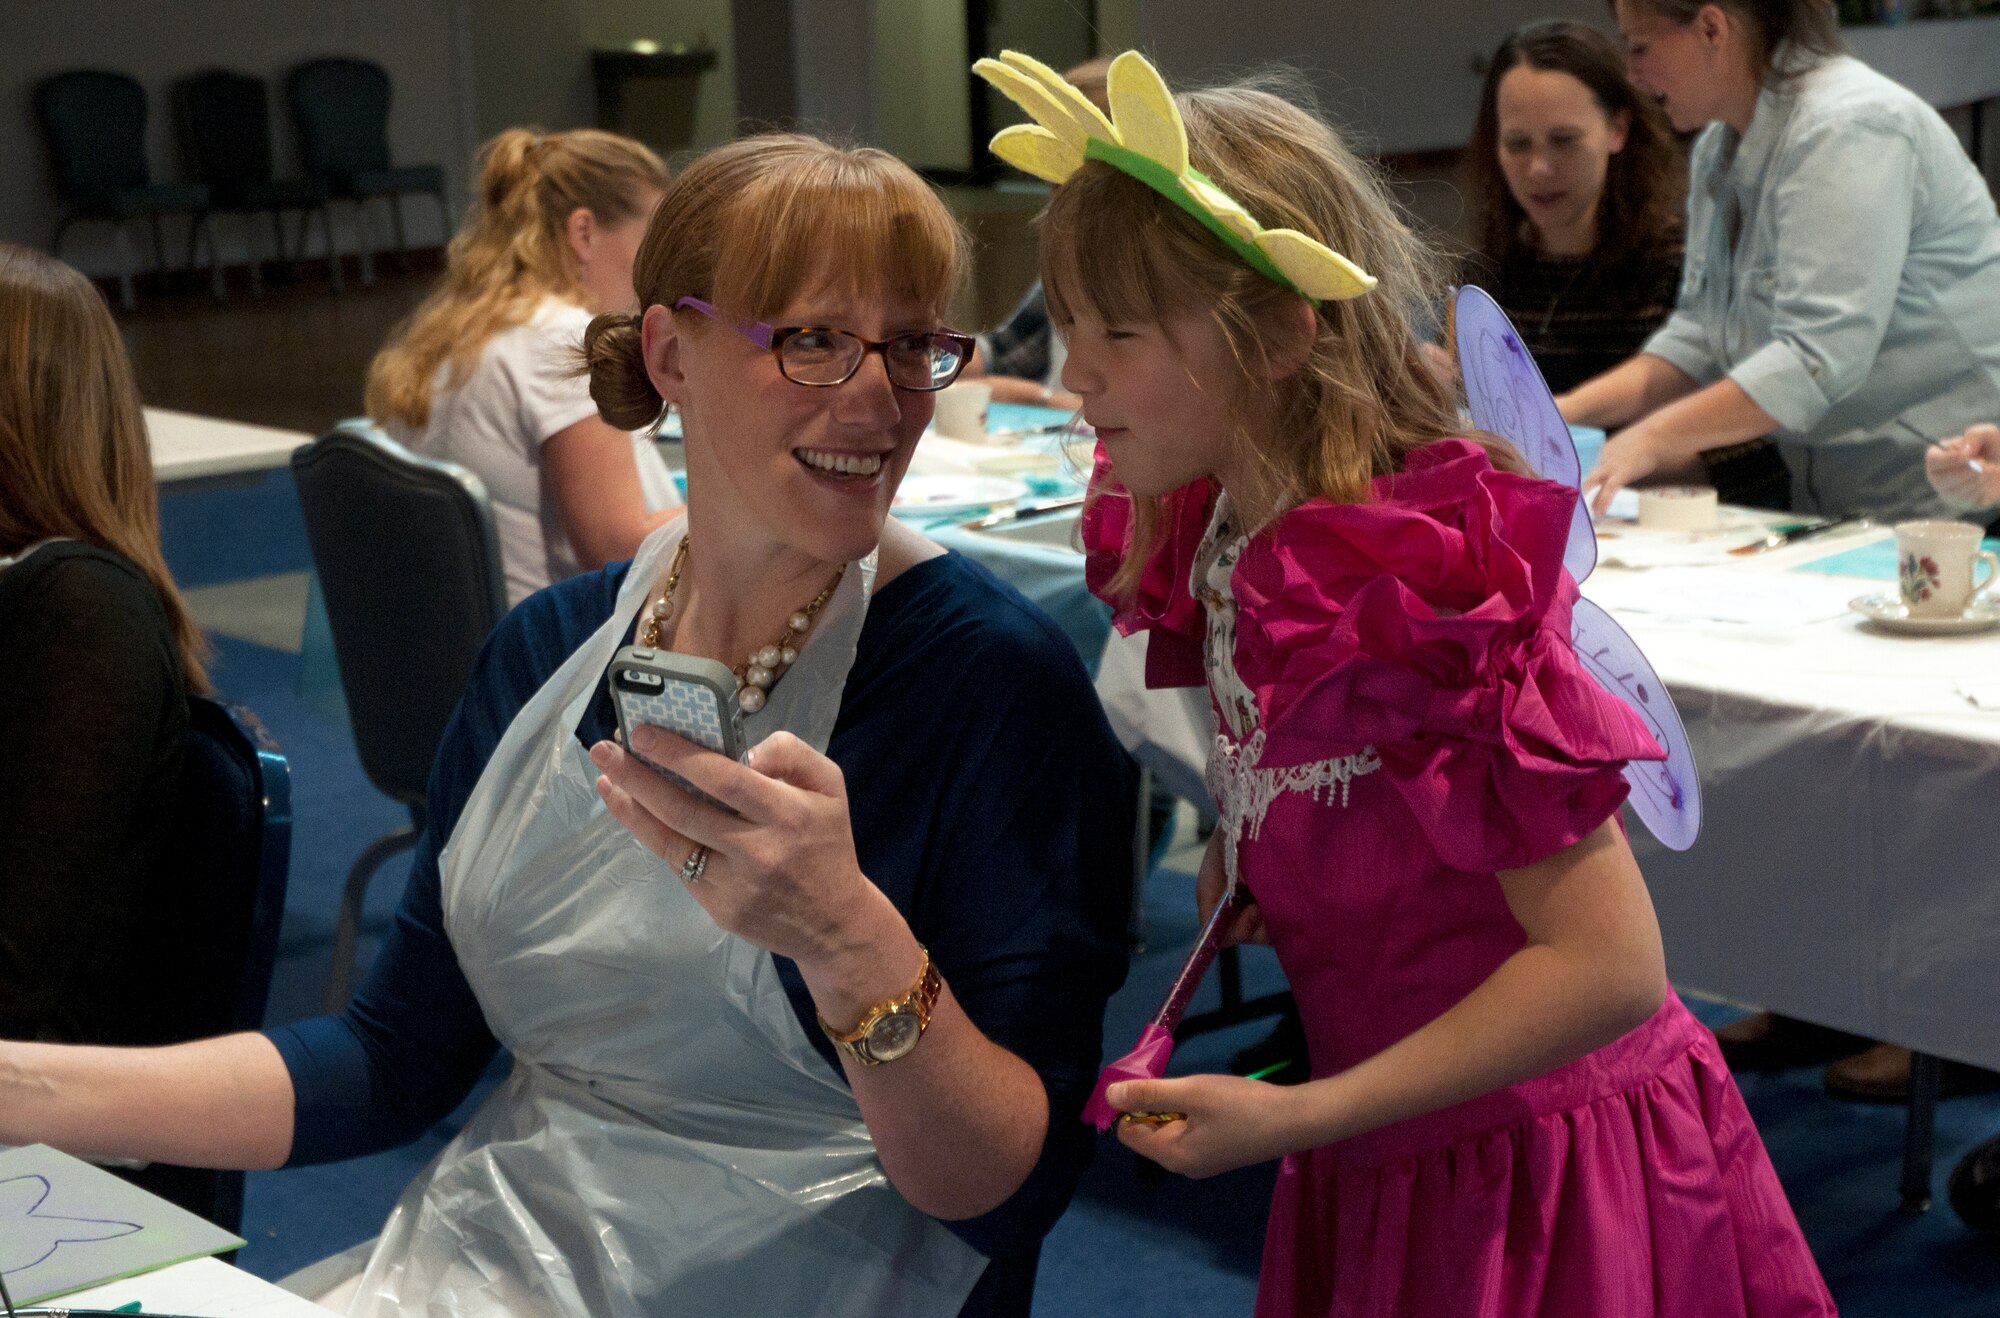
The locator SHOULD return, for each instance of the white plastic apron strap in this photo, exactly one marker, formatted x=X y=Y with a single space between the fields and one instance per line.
x=669 y=1141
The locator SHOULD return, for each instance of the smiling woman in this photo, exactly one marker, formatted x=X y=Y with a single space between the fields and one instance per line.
x=819 y=1047
x=1582 y=181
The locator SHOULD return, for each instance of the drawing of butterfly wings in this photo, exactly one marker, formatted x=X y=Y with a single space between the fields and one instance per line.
x=28 y=1237
x=1508 y=397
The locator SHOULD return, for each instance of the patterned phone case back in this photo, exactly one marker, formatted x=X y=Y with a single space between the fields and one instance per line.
x=688 y=708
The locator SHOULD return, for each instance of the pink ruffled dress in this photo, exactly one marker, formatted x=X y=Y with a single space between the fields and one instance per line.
x=1401 y=716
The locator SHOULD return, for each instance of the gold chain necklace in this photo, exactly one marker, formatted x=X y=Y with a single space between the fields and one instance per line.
x=756 y=675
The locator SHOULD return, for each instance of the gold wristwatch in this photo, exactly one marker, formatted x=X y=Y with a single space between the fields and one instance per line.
x=889 y=1030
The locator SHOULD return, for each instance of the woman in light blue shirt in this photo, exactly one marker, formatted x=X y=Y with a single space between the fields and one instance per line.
x=1842 y=285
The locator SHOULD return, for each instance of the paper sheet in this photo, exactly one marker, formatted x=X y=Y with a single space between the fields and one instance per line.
x=65 y=1225
x=1724 y=595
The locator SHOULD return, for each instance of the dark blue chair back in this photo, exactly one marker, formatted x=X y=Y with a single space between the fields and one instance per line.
x=409 y=563
x=217 y=911
x=95 y=123
x=224 y=120
x=341 y=107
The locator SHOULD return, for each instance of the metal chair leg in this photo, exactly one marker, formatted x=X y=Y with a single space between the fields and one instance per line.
x=206 y=225
x=1142 y=855
x=125 y=297
x=396 y=228
x=347 y=932
x=366 y=240
x=1919 y=1132
x=332 y=247
x=159 y=246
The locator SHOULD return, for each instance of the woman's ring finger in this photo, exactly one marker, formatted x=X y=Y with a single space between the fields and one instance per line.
x=696 y=862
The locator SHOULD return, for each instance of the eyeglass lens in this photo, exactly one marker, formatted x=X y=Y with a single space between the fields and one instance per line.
x=914 y=361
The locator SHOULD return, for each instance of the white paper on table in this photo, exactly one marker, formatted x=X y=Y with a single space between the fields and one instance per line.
x=1727 y=595
x=1983 y=694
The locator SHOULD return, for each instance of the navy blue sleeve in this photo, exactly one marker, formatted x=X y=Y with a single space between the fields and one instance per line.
x=412 y=1043
x=1037 y=847
x=993 y=805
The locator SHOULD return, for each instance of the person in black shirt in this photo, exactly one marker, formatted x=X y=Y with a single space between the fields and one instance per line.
x=1581 y=240
x=97 y=657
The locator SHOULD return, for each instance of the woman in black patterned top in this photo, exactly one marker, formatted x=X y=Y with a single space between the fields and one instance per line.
x=1582 y=180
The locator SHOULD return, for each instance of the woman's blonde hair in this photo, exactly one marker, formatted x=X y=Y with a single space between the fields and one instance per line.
x=753 y=225
x=1363 y=398
x=512 y=251
x=74 y=461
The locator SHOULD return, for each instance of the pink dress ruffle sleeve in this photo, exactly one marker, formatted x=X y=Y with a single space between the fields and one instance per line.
x=1402 y=716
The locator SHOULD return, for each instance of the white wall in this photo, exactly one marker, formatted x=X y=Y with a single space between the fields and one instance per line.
x=921 y=89
x=531 y=58
x=416 y=40
x=1406 y=77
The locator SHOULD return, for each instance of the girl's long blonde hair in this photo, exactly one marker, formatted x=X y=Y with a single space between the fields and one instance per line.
x=512 y=251
x=1363 y=398
x=74 y=461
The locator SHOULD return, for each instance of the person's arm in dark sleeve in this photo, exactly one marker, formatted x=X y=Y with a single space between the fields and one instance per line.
x=1027 y=913
x=414 y=1040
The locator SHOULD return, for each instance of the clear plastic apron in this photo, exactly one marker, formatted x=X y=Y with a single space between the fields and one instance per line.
x=668 y=1141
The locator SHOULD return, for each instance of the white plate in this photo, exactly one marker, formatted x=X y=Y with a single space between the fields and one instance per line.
x=924 y=494
x=1888 y=612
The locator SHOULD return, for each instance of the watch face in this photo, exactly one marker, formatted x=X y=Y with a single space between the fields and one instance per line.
x=893 y=1035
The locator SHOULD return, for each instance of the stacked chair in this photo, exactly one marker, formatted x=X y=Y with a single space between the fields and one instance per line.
x=224 y=126
x=95 y=126
x=341 y=107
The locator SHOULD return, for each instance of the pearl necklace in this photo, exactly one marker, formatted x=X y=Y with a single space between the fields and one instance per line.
x=760 y=672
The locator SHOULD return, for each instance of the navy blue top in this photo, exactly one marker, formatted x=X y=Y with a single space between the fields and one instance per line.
x=989 y=800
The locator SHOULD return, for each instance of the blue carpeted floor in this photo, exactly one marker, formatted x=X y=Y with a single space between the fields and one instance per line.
x=1134 y=1241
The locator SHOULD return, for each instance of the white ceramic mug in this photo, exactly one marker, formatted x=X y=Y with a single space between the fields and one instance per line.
x=1935 y=566
x=961 y=410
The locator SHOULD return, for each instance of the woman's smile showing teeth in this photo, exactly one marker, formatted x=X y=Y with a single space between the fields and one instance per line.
x=831 y=462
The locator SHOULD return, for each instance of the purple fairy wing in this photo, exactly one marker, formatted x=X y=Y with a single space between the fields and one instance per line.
x=1666 y=794
x=1508 y=397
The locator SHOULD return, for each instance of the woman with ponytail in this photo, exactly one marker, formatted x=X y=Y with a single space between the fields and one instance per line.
x=482 y=372
x=97 y=657
x=1841 y=291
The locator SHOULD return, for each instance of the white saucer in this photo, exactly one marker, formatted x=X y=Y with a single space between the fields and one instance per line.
x=1888 y=612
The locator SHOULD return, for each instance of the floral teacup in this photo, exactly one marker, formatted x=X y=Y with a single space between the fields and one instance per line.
x=1934 y=567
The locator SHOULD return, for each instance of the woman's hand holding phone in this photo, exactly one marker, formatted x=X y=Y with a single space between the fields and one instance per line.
x=782 y=871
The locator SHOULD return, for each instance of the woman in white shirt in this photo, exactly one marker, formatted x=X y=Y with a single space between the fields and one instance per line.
x=1842 y=284
x=485 y=372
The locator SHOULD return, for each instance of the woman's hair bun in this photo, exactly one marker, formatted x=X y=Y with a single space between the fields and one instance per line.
x=619 y=385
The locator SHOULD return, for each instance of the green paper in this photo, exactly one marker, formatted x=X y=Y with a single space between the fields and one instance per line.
x=1168 y=184
x=1875 y=561
x=66 y=1225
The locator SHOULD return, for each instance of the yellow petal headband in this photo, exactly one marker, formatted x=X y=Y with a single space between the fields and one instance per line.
x=1145 y=138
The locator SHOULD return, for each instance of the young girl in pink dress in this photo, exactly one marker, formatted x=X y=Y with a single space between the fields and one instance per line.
x=1511 y=1113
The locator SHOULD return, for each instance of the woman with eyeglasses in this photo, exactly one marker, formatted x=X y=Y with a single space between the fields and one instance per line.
x=820 y=1046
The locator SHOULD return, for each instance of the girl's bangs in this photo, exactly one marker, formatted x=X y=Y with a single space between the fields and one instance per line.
x=1109 y=250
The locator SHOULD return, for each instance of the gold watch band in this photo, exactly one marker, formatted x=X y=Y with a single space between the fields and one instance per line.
x=889 y=1030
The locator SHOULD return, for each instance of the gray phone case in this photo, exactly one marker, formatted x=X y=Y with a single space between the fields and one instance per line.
x=685 y=694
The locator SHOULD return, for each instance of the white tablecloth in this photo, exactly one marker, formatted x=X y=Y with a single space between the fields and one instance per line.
x=186 y=447
x=1846 y=872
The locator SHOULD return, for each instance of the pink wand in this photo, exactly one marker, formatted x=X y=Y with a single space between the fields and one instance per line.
x=1148 y=1058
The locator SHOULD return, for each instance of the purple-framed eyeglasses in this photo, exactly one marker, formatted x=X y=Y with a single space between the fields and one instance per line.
x=821 y=357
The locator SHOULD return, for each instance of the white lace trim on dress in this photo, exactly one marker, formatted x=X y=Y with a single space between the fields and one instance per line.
x=1245 y=791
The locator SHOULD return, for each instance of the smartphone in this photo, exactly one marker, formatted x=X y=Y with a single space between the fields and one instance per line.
x=685 y=694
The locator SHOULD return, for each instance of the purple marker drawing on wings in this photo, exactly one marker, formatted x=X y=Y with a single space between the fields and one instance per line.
x=1508 y=397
